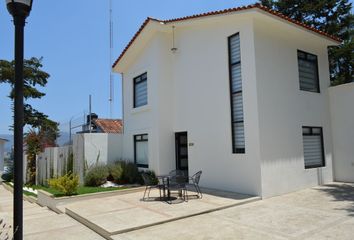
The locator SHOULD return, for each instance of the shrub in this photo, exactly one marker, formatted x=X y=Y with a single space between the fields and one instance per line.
x=115 y=171
x=8 y=176
x=131 y=173
x=96 y=176
x=67 y=184
x=152 y=176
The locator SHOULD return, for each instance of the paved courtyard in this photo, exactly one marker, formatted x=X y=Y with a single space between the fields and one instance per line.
x=42 y=224
x=325 y=212
x=117 y=214
x=319 y=213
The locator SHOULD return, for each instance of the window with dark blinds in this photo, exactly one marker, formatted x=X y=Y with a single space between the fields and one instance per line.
x=140 y=90
x=238 y=130
x=308 y=72
x=313 y=147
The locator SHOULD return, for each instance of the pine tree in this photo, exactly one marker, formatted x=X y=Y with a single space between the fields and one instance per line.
x=333 y=17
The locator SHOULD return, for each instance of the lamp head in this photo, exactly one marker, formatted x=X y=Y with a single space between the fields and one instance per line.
x=21 y=8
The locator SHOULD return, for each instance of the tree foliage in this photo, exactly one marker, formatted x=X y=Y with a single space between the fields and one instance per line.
x=331 y=16
x=44 y=131
x=33 y=76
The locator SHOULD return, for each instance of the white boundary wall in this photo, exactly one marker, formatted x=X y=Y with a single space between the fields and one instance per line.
x=342 y=120
x=52 y=162
x=87 y=149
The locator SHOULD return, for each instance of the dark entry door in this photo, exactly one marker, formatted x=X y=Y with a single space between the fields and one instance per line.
x=181 y=151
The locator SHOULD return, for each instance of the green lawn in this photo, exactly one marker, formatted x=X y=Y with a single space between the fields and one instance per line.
x=81 y=190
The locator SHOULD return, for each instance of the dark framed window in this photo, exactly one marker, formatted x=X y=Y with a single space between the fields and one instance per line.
x=236 y=96
x=141 y=153
x=308 y=71
x=313 y=147
x=140 y=90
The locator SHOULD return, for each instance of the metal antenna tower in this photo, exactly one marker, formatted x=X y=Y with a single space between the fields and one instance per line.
x=111 y=79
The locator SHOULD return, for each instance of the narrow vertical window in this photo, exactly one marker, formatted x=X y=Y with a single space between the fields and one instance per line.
x=140 y=90
x=238 y=129
x=313 y=147
x=141 y=153
x=308 y=71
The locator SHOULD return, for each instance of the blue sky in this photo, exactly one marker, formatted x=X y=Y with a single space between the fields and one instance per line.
x=73 y=39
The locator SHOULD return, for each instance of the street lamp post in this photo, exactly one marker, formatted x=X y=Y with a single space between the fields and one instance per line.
x=19 y=9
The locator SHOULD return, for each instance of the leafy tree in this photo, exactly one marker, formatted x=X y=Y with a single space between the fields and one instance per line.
x=33 y=76
x=331 y=16
x=44 y=131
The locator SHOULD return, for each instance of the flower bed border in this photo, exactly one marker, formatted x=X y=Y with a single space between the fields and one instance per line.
x=46 y=199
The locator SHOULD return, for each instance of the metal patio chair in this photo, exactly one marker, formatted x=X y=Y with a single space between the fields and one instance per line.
x=194 y=181
x=178 y=183
x=149 y=184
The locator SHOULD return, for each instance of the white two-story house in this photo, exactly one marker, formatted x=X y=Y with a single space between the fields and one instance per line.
x=240 y=94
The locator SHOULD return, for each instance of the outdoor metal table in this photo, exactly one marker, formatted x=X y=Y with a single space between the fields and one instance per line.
x=166 y=184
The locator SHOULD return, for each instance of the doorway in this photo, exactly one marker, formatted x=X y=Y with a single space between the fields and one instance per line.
x=181 y=151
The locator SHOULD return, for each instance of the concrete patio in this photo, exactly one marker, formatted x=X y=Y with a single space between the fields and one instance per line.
x=119 y=214
x=319 y=213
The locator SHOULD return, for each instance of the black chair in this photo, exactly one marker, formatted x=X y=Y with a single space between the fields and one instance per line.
x=177 y=172
x=194 y=181
x=178 y=183
x=149 y=184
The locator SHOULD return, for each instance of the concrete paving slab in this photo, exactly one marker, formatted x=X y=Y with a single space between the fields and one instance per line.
x=66 y=233
x=292 y=216
x=112 y=215
x=42 y=224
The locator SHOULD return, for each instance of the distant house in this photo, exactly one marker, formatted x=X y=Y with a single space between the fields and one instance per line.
x=240 y=94
x=2 y=153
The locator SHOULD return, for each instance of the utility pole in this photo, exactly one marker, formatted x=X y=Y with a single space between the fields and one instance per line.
x=111 y=79
x=90 y=113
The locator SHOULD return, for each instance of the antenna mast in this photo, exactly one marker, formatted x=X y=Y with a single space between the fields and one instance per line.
x=111 y=79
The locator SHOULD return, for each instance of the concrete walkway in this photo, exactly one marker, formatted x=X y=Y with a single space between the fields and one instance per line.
x=118 y=214
x=319 y=213
x=42 y=224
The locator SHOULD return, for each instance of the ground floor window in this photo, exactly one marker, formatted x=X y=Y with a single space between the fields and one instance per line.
x=141 y=153
x=313 y=147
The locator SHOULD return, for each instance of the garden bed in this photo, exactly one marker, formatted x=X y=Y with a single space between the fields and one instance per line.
x=80 y=191
x=53 y=202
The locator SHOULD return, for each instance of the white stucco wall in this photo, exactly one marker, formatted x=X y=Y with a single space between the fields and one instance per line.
x=2 y=154
x=189 y=91
x=342 y=121
x=202 y=103
x=284 y=108
x=89 y=149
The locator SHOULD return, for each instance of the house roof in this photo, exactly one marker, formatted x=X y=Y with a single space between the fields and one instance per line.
x=221 y=12
x=109 y=125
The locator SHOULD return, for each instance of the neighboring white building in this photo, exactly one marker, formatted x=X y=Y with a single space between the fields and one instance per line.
x=342 y=120
x=2 y=154
x=231 y=93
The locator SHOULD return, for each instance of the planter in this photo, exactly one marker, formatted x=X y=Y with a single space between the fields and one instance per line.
x=46 y=199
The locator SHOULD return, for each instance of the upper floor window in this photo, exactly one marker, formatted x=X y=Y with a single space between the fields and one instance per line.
x=140 y=90
x=308 y=71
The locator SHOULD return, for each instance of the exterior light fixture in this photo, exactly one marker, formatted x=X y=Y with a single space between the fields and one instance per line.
x=19 y=9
